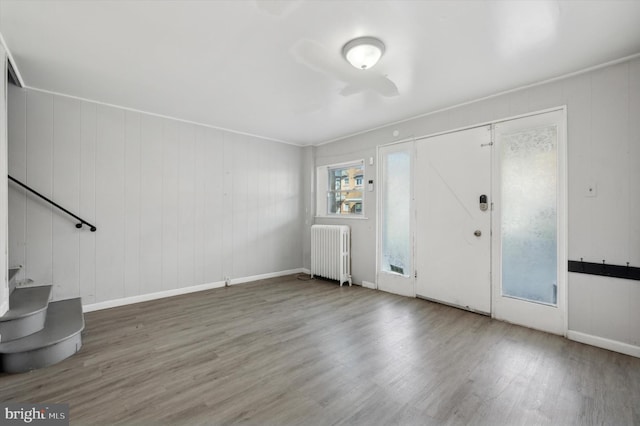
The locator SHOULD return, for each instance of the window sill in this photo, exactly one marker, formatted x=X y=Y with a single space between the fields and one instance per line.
x=343 y=217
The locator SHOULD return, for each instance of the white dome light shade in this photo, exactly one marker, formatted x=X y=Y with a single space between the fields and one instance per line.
x=363 y=52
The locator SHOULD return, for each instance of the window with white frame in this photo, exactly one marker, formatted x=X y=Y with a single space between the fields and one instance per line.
x=340 y=191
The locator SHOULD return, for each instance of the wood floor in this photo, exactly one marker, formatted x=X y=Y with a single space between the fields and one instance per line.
x=286 y=351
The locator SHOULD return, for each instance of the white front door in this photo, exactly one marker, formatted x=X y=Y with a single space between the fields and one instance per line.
x=453 y=223
x=395 y=227
x=529 y=222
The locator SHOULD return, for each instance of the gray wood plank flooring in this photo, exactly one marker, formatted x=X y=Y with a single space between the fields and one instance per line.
x=286 y=351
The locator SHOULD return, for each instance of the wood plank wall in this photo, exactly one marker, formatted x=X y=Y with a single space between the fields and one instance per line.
x=176 y=204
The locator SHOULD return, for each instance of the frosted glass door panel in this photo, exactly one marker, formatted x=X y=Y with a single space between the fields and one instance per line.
x=396 y=212
x=529 y=215
x=395 y=225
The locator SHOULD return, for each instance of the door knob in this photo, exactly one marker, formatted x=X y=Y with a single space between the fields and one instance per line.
x=477 y=233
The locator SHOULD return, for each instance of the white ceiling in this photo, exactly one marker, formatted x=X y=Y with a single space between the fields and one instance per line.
x=274 y=68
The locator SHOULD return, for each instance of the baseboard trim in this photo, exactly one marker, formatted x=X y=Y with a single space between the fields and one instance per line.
x=368 y=284
x=149 y=296
x=601 y=342
x=266 y=276
x=179 y=291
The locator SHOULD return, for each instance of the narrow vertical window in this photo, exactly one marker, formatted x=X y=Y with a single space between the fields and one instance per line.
x=396 y=212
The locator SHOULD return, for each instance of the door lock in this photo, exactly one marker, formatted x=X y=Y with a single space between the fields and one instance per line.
x=483 y=203
x=477 y=233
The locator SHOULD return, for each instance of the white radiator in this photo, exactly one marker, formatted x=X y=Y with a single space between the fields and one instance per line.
x=330 y=252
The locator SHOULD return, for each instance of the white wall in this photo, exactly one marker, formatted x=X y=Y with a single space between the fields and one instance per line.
x=4 y=283
x=308 y=187
x=176 y=204
x=603 y=109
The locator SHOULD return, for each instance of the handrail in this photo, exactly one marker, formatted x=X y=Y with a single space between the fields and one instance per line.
x=78 y=225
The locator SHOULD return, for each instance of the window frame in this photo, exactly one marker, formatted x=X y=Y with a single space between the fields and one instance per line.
x=325 y=190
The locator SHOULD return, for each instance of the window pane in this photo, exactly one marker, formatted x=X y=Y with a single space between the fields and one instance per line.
x=334 y=203
x=351 y=200
x=529 y=212
x=345 y=193
x=338 y=179
x=396 y=213
x=345 y=202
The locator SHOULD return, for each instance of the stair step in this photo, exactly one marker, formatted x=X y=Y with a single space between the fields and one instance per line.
x=59 y=339
x=13 y=272
x=27 y=312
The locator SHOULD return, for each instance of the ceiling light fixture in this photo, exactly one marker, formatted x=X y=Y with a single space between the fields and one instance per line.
x=363 y=52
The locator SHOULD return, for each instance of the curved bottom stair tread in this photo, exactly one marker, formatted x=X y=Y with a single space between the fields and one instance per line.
x=27 y=312
x=59 y=339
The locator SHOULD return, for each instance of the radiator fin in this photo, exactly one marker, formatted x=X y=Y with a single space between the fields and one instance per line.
x=330 y=252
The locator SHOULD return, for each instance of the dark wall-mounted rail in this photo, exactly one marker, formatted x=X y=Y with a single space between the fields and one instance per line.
x=80 y=220
x=604 y=269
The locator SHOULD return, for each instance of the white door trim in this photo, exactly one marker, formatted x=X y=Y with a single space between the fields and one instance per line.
x=562 y=200
x=471 y=126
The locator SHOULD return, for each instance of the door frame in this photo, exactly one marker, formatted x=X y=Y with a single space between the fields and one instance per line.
x=495 y=249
